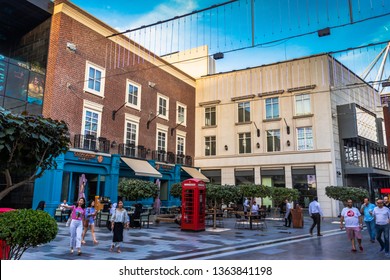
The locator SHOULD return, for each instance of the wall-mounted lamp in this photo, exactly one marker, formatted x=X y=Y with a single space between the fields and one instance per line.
x=113 y=144
x=71 y=47
x=288 y=143
x=218 y=55
x=226 y=147
x=287 y=127
x=257 y=130
x=386 y=84
x=324 y=32
x=113 y=114
x=258 y=145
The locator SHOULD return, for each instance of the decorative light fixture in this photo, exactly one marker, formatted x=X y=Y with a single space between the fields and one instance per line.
x=386 y=84
x=324 y=32
x=287 y=127
x=257 y=130
x=258 y=145
x=71 y=47
x=288 y=143
x=218 y=55
x=226 y=147
x=113 y=114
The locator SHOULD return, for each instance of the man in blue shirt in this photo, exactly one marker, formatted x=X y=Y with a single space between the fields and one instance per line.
x=366 y=210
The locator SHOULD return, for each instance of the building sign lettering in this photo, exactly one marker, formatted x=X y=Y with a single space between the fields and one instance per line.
x=84 y=156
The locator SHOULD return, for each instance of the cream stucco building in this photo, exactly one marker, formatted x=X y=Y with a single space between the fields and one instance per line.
x=280 y=124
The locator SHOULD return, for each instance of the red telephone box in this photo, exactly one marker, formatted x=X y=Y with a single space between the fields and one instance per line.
x=193 y=205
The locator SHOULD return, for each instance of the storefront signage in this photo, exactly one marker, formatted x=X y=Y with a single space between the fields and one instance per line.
x=164 y=167
x=84 y=156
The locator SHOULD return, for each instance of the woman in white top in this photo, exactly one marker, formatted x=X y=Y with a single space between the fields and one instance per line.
x=119 y=221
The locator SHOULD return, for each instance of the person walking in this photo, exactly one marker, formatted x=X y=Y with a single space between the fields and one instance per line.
x=382 y=221
x=315 y=213
x=157 y=205
x=90 y=216
x=76 y=225
x=119 y=221
x=353 y=224
x=366 y=211
x=287 y=216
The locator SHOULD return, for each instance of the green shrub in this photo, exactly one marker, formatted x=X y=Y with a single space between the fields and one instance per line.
x=25 y=228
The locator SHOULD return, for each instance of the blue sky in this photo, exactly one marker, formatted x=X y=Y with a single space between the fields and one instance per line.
x=227 y=28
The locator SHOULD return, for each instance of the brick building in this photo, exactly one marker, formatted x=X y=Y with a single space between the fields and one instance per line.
x=130 y=113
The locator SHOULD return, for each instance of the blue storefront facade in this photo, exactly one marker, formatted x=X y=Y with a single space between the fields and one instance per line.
x=103 y=172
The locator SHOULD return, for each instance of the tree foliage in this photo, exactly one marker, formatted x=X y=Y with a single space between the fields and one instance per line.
x=278 y=195
x=251 y=190
x=344 y=193
x=135 y=189
x=25 y=228
x=28 y=147
x=222 y=193
x=176 y=190
x=216 y=194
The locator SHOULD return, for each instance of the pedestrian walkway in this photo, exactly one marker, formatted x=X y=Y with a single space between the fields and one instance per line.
x=167 y=241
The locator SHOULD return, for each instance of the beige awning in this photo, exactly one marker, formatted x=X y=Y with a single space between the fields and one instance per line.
x=194 y=173
x=141 y=167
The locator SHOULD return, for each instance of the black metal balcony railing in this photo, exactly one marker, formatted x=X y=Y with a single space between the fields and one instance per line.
x=91 y=143
x=101 y=144
x=158 y=155
x=133 y=151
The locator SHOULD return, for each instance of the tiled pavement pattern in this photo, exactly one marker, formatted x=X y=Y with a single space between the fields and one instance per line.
x=167 y=241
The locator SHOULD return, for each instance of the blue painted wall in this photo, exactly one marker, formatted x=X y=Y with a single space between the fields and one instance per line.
x=74 y=163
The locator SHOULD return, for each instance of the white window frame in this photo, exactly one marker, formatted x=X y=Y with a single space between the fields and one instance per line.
x=128 y=104
x=181 y=134
x=273 y=113
x=205 y=145
x=89 y=65
x=244 y=105
x=210 y=113
x=275 y=133
x=305 y=140
x=242 y=142
x=133 y=120
x=302 y=98
x=160 y=96
x=93 y=107
x=163 y=129
x=178 y=105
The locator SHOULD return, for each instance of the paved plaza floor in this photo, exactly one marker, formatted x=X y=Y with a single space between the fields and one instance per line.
x=166 y=241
